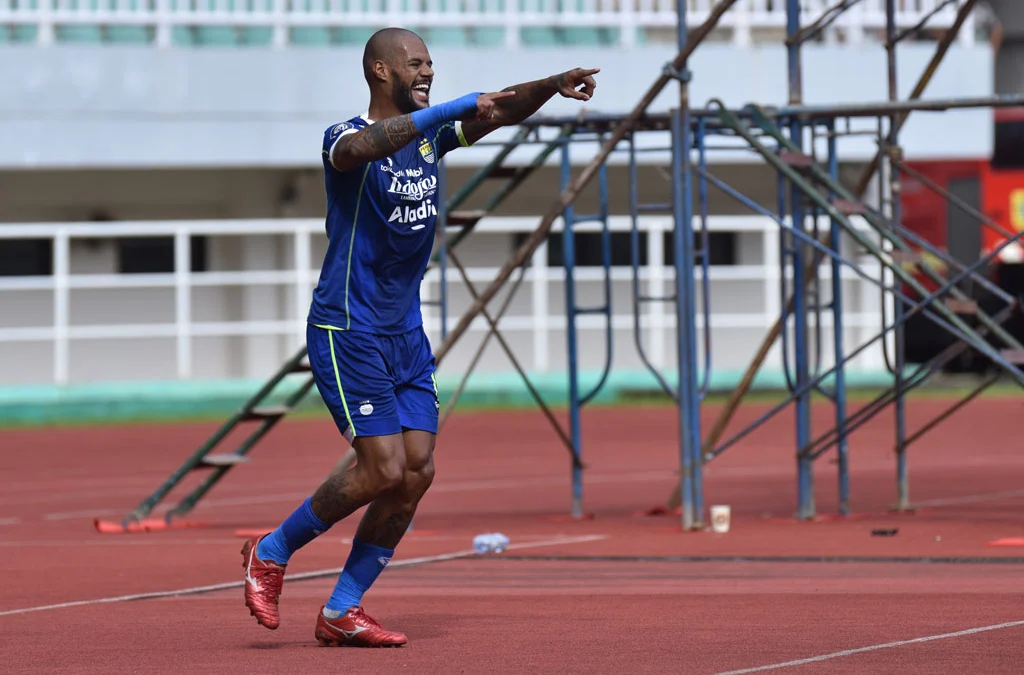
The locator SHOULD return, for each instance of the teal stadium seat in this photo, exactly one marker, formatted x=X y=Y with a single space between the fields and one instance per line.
x=487 y=36
x=20 y=33
x=183 y=36
x=352 y=36
x=130 y=35
x=211 y=36
x=216 y=36
x=257 y=36
x=79 y=34
x=539 y=36
x=356 y=36
x=309 y=36
x=588 y=37
x=581 y=36
x=446 y=36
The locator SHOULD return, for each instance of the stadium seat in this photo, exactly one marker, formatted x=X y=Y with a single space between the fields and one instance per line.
x=128 y=34
x=309 y=36
x=256 y=36
x=451 y=36
x=487 y=36
x=79 y=34
x=582 y=37
x=183 y=36
x=216 y=36
x=135 y=35
x=352 y=35
x=539 y=36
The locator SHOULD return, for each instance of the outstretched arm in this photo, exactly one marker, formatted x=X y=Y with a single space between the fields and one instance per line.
x=382 y=139
x=578 y=83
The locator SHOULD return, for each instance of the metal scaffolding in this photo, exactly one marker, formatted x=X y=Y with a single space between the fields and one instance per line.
x=819 y=220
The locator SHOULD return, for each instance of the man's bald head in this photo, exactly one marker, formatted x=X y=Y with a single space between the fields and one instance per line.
x=388 y=45
x=397 y=67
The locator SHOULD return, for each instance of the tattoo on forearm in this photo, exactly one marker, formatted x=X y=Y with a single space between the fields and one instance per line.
x=530 y=96
x=376 y=141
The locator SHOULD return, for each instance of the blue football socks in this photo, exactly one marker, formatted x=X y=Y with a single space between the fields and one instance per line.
x=364 y=565
x=298 y=529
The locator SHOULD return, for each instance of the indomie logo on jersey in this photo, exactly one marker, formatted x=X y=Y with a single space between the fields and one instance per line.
x=413 y=190
x=427 y=151
x=413 y=214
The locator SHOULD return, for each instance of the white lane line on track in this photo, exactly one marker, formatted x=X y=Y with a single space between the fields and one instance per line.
x=970 y=499
x=228 y=538
x=84 y=513
x=10 y=521
x=458 y=486
x=873 y=648
x=316 y=574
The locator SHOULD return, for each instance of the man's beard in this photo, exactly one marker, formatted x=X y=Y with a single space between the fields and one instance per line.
x=404 y=100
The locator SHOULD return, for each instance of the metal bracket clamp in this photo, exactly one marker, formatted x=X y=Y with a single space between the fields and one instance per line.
x=683 y=75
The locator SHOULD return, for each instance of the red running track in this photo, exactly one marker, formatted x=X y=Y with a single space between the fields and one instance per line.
x=569 y=600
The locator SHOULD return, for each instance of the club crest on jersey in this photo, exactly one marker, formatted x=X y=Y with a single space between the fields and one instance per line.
x=427 y=151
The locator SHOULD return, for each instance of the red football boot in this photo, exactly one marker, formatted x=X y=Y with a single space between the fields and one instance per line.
x=355 y=628
x=263 y=582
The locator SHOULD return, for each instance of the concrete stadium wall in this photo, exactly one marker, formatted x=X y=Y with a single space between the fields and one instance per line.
x=84 y=107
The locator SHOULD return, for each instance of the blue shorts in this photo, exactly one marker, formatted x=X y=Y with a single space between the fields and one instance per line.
x=376 y=385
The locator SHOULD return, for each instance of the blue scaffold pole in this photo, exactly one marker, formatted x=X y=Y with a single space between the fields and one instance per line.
x=686 y=356
x=805 y=463
x=838 y=332
x=569 y=261
x=892 y=140
x=900 y=404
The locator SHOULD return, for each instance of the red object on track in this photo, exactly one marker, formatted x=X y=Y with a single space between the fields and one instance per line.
x=144 y=525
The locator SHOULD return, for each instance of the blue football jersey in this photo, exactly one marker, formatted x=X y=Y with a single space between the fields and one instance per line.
x=381 y=220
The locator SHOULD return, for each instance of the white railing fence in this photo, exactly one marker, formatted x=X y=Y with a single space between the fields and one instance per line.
x=504 y=18
x=245 y=314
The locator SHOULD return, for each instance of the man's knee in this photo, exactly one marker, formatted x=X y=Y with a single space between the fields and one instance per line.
x=383 y=459
x=419 y=463
x=418 y=477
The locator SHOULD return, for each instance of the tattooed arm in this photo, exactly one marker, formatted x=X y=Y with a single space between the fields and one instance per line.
x=377 y=141
x=382 y=139
x=578 y=83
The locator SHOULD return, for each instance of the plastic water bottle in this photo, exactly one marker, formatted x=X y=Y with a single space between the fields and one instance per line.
x=492 y=542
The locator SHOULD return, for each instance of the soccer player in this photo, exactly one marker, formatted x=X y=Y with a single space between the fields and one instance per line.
x=369 y=354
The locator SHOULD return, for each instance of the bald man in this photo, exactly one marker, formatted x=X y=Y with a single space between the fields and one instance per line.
x=370 y=357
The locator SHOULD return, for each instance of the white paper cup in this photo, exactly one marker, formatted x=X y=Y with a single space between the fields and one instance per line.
x=720 y=516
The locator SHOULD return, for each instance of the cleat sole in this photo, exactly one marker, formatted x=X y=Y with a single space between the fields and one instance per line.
x=333 y=643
